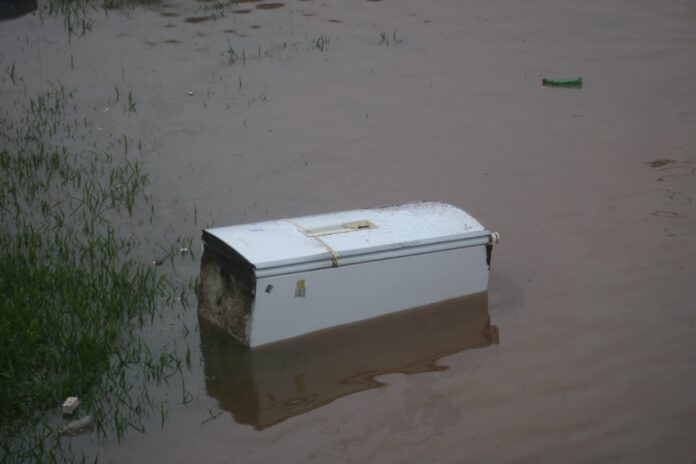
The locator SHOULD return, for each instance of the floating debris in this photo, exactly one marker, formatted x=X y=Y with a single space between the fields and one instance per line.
x=70 y=404
x=269 y=281
x=659 y=163
x=573 y=83
x=78 y=427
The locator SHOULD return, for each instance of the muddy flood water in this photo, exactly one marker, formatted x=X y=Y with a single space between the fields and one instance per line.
x=584 y=350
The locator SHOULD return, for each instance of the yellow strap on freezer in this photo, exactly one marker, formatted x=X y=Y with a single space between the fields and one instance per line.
x=334 y=253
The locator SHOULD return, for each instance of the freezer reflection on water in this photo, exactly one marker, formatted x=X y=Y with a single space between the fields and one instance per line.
x=266 y=385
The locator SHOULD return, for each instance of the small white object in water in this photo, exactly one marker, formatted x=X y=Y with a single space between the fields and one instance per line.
x=183 y=250
x=190 y=93
x=78 y=426
x=70 y=404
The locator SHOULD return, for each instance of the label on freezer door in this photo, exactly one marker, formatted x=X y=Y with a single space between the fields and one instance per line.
x=300 y=289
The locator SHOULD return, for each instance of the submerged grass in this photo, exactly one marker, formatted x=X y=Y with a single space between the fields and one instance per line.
x=74 y=290
x=76 y=14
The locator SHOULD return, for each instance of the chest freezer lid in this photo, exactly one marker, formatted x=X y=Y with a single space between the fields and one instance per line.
x=332 y=239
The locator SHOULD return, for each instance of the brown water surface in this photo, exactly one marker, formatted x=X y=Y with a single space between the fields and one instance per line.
x=592 y=190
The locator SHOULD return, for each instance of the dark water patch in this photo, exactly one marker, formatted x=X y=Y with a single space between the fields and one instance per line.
x=255 y=26
x=116 y=4
x=666 y=214
x=241 y=11
x=659 y=163
x=171 y=41
x=234 y=32
x=337 y=21
x=11 y=9
x=169 y=14
x=266 y=385
x=269 y=6
x=152 y=44
x=199 y=19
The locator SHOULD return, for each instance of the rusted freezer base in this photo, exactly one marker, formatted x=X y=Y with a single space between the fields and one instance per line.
x=225 y=295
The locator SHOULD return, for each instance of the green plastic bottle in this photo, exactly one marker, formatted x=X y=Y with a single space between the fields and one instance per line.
x=574 y=83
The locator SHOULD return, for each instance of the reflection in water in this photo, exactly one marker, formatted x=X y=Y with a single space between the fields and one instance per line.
x=265 y=385
x=10 y=9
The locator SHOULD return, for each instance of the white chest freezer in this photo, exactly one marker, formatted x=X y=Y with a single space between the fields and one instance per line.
x=274 y=280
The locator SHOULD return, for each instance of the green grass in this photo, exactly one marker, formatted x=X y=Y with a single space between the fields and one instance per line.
x=74 y=288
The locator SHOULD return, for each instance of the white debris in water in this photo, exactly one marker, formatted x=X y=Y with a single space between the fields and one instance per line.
x=70 y=404
x=78 y=426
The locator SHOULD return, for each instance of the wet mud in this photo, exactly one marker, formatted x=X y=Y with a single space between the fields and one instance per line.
x=592 y=285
